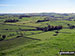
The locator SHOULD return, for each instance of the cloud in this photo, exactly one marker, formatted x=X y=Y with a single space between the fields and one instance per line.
x=5 y=5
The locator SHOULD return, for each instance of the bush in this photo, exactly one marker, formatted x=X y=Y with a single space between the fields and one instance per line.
x=3 y=37
x=11 y=20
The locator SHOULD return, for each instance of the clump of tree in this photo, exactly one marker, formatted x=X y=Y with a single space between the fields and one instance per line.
x=49 y=28
x=11 y=20
x=45 y=19
x=71 y=26
x=20 y=17
x=42 y=20
x=2 y=37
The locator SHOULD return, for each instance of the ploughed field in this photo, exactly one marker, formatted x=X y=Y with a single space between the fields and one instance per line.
x=22 y=38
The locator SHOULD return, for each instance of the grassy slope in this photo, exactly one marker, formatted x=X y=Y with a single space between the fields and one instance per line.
x=48 y=46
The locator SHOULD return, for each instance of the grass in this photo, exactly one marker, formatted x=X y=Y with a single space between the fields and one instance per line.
x=49 y=45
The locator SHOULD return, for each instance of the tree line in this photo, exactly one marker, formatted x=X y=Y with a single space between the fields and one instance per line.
x=49 y=28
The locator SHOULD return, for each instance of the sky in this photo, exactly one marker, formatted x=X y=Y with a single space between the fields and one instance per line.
x=37 y=6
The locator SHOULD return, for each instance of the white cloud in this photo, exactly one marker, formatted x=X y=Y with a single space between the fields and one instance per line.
x=5 y=5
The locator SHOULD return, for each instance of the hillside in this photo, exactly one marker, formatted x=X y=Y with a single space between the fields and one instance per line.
x=36 y=34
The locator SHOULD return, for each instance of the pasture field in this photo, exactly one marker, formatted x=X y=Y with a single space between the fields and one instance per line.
x=23 y=39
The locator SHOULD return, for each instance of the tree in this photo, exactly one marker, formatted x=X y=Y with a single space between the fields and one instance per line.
x=3 y=37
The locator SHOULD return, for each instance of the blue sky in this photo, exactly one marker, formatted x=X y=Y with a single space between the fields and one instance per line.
x=37 y=6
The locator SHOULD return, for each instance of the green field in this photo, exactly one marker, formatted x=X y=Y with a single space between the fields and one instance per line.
x=23 y=40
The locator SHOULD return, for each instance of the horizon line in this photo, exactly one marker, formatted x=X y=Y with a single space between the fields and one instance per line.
x=35 y=12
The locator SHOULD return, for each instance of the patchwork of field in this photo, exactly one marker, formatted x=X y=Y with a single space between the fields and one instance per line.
x=23 y=39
